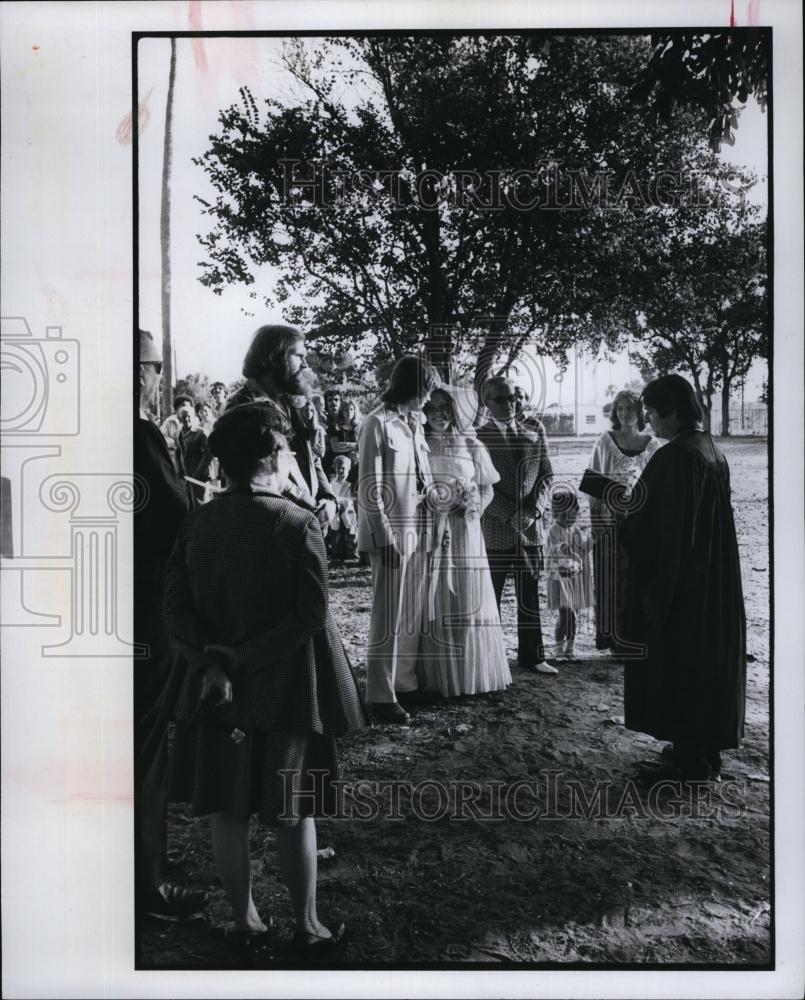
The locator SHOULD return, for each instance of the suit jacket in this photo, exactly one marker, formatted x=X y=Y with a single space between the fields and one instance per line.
x=249 y=570
x=156 y=524
x=193 y=459
x=307 y=479
x=523 y=482
x=389 y=508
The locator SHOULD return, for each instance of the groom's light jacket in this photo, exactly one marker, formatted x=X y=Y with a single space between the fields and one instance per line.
x=390 y=508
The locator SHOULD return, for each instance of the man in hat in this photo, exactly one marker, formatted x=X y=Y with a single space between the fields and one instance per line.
x=156 y=523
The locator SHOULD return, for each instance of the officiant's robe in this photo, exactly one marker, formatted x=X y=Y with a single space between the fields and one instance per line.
x=685 y=600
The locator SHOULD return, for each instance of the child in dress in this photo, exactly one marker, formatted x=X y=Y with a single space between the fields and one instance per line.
x=569 y=569
x=343 y=527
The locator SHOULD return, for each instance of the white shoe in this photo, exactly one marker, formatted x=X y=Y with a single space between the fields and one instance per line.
x=569 y=652
x=545 y=668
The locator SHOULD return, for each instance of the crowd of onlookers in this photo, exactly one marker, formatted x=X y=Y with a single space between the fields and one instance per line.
x=332 y=420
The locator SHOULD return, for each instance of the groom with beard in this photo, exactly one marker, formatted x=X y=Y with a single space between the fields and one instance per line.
x=277 y=376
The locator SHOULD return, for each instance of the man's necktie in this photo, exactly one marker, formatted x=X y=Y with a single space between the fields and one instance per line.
x=515 y=443
x=413 y=421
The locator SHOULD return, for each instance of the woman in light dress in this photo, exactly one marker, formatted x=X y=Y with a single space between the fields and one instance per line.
x=620 y=454
x=462 y=650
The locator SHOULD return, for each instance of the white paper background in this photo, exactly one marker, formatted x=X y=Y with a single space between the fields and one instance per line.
x=66 y=723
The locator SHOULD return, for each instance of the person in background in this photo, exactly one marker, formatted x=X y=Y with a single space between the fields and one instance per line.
x=246 y=603
x=321 y=416
x=621 y=454
x=277 y=376
x=685 y=599
x=520 y=413
x=512 y=523
x=570 y=583
x=332 y=406
x=156 y=524
x=316 y=433
x=206 y=416
x=341 y=538
x=193 y=458
x=172 y=425
x=395 y=529
x=344 y=437
x=218 y=397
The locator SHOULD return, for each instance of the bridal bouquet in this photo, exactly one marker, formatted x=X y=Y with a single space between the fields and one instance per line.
x=454 y=496
x=467 y=500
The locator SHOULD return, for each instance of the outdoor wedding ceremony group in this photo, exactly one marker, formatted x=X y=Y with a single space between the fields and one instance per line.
x=401 y=599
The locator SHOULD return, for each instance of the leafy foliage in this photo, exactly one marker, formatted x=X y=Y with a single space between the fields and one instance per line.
x=705 y=301
x=710 y=72
x=424 y=253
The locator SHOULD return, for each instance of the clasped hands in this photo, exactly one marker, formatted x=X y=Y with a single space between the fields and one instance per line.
x=222 y=660
x=521 y=521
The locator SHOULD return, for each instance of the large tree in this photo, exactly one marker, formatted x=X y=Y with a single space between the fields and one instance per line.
x=474 y=193
x=704 y=303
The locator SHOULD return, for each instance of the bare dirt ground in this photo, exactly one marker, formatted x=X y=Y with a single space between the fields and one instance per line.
x=624 y=880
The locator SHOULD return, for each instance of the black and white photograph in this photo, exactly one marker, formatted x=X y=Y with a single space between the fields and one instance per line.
x=443 y=532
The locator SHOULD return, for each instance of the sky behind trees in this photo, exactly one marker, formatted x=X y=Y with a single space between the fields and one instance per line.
x=211 y=332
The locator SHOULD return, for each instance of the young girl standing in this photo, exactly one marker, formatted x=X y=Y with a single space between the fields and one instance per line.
x=569 y=570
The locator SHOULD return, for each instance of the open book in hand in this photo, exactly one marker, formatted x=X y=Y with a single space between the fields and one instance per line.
x=596 y=484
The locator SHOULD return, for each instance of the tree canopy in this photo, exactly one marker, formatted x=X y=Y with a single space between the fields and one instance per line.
x=705 y=307
x=470 y=193
x=707 y=71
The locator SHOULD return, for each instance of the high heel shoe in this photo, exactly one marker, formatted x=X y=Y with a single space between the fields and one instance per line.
x=319 y=947
x=245 y=943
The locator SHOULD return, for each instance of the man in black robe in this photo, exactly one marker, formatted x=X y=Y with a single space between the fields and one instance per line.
x=685 y=599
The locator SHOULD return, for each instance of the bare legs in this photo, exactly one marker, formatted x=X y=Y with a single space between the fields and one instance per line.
x=297 y=855
x=230 y=847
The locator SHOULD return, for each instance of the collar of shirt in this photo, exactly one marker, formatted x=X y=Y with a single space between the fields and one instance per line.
x=504 y=428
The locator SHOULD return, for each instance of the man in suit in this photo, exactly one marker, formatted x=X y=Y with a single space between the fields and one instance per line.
x=512 y=521
x=277 y=376
x=156 y=524
x=393 y=528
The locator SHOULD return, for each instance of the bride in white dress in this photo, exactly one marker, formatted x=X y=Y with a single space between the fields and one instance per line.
x=462 y=650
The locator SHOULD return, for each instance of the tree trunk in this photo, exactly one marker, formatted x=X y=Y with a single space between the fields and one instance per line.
x=164 y=241
x=489 y=351
x=707 y=407
x=725 y=405
x=438 y=348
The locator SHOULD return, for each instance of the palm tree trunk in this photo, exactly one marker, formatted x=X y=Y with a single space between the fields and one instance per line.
x=164 y=240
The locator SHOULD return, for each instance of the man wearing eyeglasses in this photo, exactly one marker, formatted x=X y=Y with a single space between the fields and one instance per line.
x=156 y=524
x=512 y=523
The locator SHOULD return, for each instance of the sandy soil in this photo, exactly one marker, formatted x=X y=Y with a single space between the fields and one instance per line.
x=630 y=879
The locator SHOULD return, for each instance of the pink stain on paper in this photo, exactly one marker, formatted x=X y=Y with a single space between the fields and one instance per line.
x=124 y=132
x=219 y=58
x=753 y=13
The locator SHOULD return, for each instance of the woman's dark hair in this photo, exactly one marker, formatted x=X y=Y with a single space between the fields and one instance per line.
x=672 y=392
x=453 y=416
x=182 y=401
x=269 y=349
x=410 y=377
x=244 y=435
x=631 y=399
